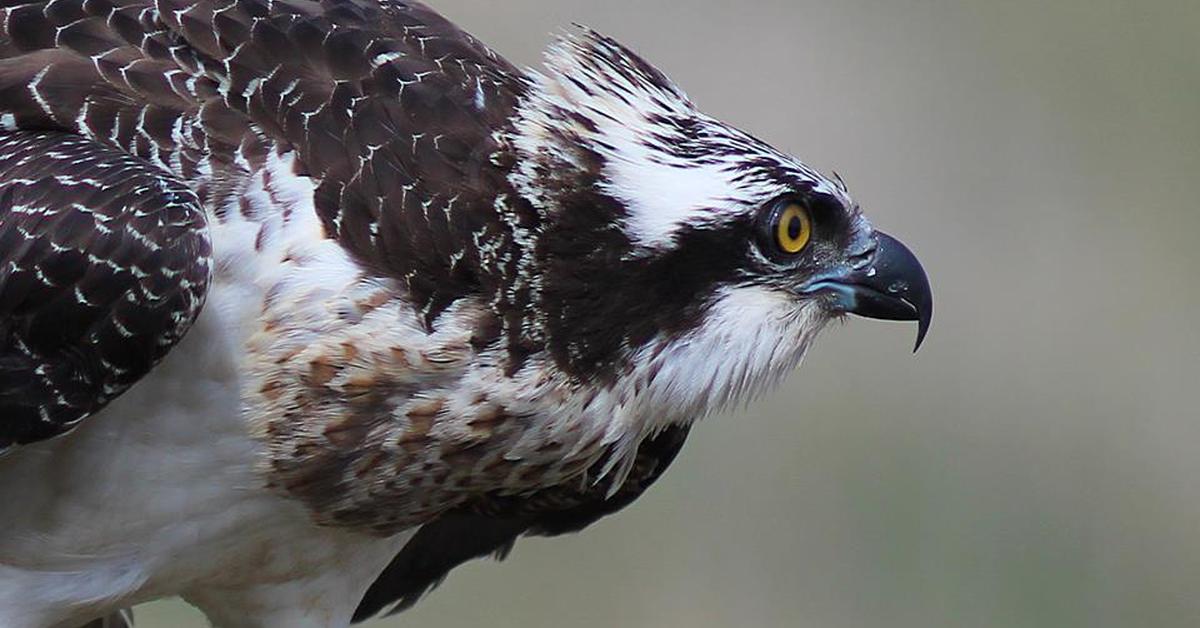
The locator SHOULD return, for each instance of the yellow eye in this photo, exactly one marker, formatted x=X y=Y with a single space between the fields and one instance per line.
x=793 y=228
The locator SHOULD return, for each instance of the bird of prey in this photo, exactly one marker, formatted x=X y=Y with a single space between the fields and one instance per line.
x=305 y=302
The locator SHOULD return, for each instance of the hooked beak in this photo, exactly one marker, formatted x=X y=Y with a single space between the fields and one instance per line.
x=890 y=286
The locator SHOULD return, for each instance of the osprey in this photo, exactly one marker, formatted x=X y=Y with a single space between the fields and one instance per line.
x=304 y=303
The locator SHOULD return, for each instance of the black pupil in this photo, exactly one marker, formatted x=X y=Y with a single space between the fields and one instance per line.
x=793 y=227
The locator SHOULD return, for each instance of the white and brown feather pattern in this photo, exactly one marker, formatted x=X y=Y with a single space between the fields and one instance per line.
x=379 y=426
x=104 y=264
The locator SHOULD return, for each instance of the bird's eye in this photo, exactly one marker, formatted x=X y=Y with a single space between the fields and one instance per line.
x=793 y=228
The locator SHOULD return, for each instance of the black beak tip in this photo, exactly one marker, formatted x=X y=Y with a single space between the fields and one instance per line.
x=898 y=274
x=923 y=327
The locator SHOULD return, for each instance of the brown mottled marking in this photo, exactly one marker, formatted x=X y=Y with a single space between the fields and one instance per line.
x=375 y=301
x=321 y=371
x=369 y=463
x=400 y=357
x=348 y=433
x=427 y=410
x=418 y=430
x=360 y=382
x=485 y=423
x=419 y=424
x=272 y=389
x=462 y=455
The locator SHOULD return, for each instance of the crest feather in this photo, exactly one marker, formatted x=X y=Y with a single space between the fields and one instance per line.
x=591 y=69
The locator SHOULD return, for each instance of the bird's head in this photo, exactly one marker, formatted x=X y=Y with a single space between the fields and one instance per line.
x=680 y=250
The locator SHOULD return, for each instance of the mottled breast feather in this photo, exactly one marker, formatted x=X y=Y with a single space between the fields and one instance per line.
x=104 y=263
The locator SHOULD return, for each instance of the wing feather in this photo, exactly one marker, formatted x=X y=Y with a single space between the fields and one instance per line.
x=490 y=526
x=104 y=264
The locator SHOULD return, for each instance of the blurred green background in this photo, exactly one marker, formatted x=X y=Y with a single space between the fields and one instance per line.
x=1038 y=463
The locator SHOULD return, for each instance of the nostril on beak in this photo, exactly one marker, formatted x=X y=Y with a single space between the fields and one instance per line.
x=859 y=260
